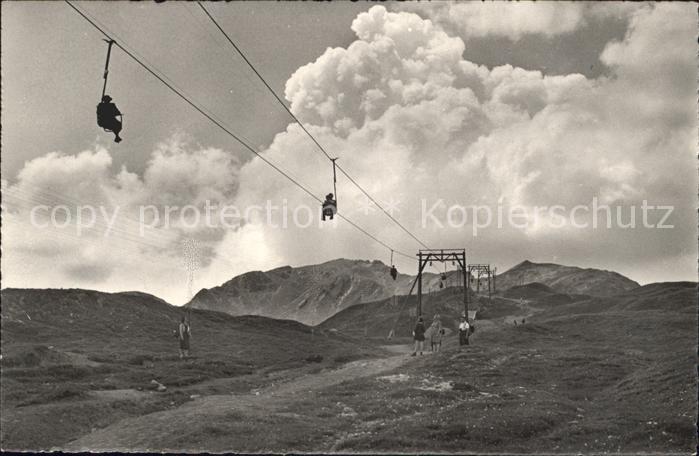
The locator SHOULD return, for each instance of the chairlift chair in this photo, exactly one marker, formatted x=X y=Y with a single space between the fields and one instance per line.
x=394 y=271
x=107 y=112
x=329 y=206
x=330 y=203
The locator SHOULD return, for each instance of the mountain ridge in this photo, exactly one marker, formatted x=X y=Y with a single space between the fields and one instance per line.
x=566 y=279
x=313 y=293
x=310 y=293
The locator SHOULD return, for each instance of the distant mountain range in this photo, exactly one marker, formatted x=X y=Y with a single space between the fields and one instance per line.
x=566 y=279
x=309 y=294
x=312 y=294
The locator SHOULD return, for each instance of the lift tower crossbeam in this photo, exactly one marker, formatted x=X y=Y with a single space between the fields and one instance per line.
x=479 y=270
x=427 y=256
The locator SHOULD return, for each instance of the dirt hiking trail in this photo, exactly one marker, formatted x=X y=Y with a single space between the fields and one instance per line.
x=155 y=431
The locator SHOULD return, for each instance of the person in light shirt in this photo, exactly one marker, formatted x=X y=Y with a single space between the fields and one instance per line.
x=464 y=328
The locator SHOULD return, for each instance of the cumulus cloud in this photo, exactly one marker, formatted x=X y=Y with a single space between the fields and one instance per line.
x=404 y=110
x=411 y=119
x=75 y=219
x=404 y=89
x=514 y=20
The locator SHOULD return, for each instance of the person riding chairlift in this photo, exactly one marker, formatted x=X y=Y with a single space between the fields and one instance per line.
x=394 y=272
x=329 y=206
x=107 y=114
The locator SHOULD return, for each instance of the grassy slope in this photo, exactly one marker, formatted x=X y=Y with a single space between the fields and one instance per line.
x=594 y=375
x=612 y=375
x=59 y=345
x=597 y=375
x=374 y=320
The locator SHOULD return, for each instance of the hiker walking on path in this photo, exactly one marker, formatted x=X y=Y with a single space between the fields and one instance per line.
x=435 y=331
x=419 y=336
x=464 y=329
x=183 y=334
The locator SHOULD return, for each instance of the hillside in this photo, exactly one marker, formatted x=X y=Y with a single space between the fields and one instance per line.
x=594 y=375
x=308 y=294
x=375 y=320
x=566 y=279
x=583 y=375
x=69 y=357
x=666 y=297
x=543 y=295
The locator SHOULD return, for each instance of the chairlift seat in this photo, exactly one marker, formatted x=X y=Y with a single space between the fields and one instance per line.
x=329 y=208
x=106 y=115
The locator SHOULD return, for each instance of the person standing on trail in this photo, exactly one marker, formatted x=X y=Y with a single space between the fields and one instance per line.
x=419 y=336
x=436 y=331
x=183 y=334
x=464 y=329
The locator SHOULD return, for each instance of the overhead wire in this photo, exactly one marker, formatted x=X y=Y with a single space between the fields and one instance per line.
x=48 y=198
x=202 y=25
x=141 y=59
x=315 y=141
x=219 y=124
x=58 y=234
x=121 y=233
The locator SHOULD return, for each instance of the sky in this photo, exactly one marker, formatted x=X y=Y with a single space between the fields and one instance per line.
x=445 y=113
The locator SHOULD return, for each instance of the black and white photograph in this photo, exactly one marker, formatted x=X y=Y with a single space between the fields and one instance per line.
x=349 y=227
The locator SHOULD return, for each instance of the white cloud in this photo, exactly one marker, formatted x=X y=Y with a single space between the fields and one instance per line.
x=410 y=118
x=414 y=119
x=514 y=20
x=109 y=250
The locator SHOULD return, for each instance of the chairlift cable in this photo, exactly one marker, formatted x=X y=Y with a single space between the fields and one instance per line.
x=224 y=128
x=320 y=147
